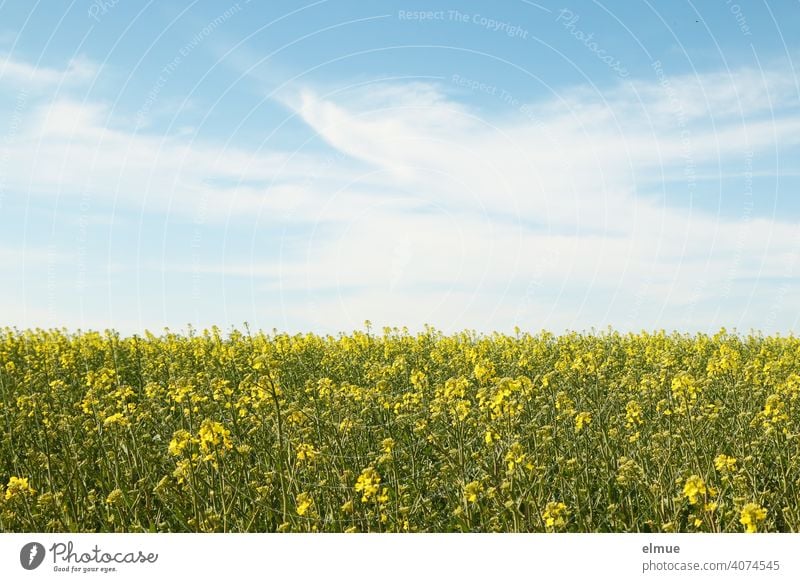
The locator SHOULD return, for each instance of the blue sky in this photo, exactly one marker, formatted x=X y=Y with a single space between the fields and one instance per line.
x=308 y=166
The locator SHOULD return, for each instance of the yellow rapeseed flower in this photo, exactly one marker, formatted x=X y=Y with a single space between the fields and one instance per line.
x=752 y=514
x=214 y=436
x=472 y=491
x=684 y=388
x=555 y=515
x=305 y=452
x=582 y=419
x=484 y=371
x=694 y=488
x=367 y=484
x=180 y=440
x=18 y=486
x=114 y=496
x=116 y=419
x=725 y=464
x=633 y=414
x=387 y=445
x=303 y=502
x=418 y=379
x=515 y=456
x=564 y=404
x=775 y=409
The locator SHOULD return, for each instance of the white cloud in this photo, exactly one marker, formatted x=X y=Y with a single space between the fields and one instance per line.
x=30 y=76
x=742 y=93
x=552 y=204
x=69 y=149
x=431 y=211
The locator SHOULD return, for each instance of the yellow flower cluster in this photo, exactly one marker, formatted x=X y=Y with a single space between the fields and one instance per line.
x=214 y=437
x=725 y=463
x=751 y=516
x=18 y=487
x=305 y=452
x=304 y=503
x=368 y=484
x=555 y=515
x=694 y=489
x=472 y=491
x=685 y=389
x=582 y=419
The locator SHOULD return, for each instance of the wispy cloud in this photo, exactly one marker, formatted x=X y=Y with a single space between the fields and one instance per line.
x=551 y=202
x=33 y=76
x=425 y=209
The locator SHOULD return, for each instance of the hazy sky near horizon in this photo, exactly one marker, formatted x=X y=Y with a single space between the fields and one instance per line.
x=308 y=166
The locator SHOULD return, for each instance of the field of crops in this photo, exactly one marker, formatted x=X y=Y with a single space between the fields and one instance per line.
x=396 y=432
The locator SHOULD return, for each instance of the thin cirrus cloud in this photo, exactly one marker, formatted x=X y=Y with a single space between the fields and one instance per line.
x=553 y=206
x=33 y=76
x=424 y=209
